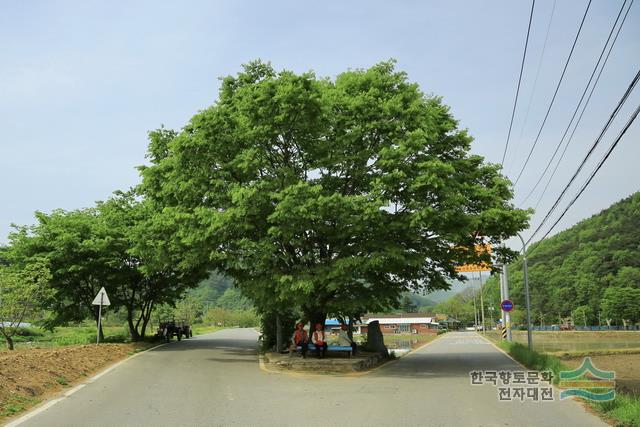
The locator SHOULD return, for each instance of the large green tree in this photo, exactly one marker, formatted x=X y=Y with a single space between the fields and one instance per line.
x=327 y=195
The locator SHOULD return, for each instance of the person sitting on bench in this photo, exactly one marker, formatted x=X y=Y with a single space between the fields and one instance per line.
x=344 y=340
x=301 y=338
x=319 y=341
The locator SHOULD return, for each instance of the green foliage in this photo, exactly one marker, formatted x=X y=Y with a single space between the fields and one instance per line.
x=111 y=246
x=15 y=404
x=219 y=316
x=575 y=269
x=624 y=409
x=621 y=304
x=23 y=292
x=534 y=360
x=328 y=197
x=407 y=305
x=459 y=306
x=84 y=333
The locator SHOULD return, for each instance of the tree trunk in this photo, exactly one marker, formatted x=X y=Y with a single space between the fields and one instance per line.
x=135 y=336
x=8 y=339
x=315 y=318
x=146 y=317
x=278 y=334
x=350 y=329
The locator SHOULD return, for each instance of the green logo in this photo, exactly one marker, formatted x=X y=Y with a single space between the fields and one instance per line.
x=588 y=382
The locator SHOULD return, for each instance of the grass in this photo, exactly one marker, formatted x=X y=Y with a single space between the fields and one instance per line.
x=16 y=404
x=68 y=335
x=615 y=351
x=205 y=329
x=624 y=410
x=534 y=360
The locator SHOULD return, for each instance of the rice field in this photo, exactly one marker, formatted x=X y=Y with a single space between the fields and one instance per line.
x=577 y=341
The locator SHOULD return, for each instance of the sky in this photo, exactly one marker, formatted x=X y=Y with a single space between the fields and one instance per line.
x=82 y=82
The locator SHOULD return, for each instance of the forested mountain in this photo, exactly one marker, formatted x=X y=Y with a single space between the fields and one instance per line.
x=218 y=291
x=590 y=271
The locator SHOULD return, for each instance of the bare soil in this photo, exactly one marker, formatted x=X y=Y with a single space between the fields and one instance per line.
x=626 y=367
x=29 y=376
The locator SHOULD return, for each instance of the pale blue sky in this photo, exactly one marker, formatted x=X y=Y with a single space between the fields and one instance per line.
x=81 y=82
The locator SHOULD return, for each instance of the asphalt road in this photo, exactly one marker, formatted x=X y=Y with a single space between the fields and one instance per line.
x=215 y=380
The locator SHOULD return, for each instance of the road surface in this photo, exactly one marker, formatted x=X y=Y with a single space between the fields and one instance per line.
x=215 y=380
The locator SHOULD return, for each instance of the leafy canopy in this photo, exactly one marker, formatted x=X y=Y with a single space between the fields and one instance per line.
x=331 y=196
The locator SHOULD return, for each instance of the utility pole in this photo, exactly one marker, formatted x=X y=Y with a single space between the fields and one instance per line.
x=526 y=292
x=481 y=301
x=475 y=309
x=502 y=319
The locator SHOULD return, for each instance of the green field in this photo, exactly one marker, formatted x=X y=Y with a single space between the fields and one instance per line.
x=34 y=337
x=85 y=333
x=577 y=341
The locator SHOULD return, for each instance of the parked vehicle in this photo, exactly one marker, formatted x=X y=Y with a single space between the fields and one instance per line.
x=170 y=328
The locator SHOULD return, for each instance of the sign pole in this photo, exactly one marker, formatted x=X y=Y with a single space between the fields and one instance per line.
x=100 y=317
x=507 y=316
x=482 y=302
x=502 y=320
x=101 y=299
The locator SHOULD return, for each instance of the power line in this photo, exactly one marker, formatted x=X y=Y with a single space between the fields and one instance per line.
x=593 y=174
x=604 y=63
x=575 y=112
x=591 y=149
x=564 y=70
x=535 y=81
x=524 y=55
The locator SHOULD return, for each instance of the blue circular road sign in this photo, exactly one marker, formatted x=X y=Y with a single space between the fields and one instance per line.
x=506 y=305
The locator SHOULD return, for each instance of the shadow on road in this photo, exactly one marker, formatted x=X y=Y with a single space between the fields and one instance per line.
x=240 y=346
x=445 y=365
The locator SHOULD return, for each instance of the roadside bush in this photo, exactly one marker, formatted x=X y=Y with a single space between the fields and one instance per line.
x=534 y=360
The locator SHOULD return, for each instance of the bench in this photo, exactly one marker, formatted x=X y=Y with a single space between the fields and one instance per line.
x=337 y=348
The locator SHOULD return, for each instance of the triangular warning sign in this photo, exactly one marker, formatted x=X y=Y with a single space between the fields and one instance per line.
x=101 y=298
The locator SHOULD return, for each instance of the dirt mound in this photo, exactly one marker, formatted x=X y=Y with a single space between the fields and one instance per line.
x=30 y=375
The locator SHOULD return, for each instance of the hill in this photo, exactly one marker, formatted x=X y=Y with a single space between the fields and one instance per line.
x=586 y=271
x=590 y=272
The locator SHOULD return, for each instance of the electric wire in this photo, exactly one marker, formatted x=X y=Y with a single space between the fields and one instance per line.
x=564 y=70
x=600 y=164
x=588 y=155
x=575 y=112
x=515 y=103
x=604 y=63
x=535 y=80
